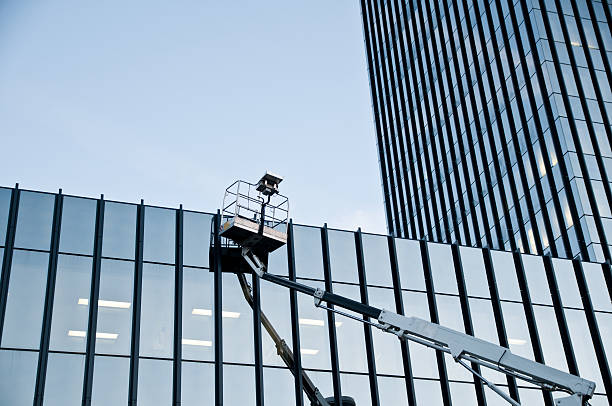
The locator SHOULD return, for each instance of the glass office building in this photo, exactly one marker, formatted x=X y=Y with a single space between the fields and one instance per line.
x=106 y=303
x=493 y=121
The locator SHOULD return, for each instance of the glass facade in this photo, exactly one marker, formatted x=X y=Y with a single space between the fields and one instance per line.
x=90 y=315
x=493 y=122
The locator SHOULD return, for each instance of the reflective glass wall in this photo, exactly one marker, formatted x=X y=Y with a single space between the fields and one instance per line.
x=108 y=303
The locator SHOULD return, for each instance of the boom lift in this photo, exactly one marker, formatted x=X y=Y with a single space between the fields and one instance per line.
x=250 y=234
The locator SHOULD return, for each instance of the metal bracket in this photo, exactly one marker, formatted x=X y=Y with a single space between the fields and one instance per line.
x=318 y=297
x=254 y=262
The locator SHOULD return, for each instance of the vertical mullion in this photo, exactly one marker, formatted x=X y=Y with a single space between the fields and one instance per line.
x=433 y=315
x=259 y=385
x=399 y=308
x=94 y=295
x=217 y=309
x=45 y=334
x=593 y=328
x=135 y=340
x=530 y=317
x=600 y=42
x=295 y=329
x=331 y=320
x=499 y=319
x=178 y=309
x=9 y=242
x=607 y=271
x=367 y=329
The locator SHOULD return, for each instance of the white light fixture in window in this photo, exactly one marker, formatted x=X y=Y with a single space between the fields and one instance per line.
x=306 y=351
x=83 y=334
x=316 y=322
x=106 y=303
x=208 y=312
x=198 y=343
x=516 y=341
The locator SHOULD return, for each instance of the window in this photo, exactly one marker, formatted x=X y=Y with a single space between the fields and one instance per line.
x=279 y=389
x=197 y=314
x=342 y=256
x=159 y=235
x=308 y=253
x=376 y=258
x=157 y=311
x=197 y=384
x=428 y=392
x=392 y=391
x=536 y=279
x=5 y=203
x=17 y=377
x=275 y=305
x=357 y=387
x=422 y=358
x=119 y=235
x=64 y=384
x=442 y=268
x=110 y=381
x=350 y=335
x=237 y=376
x=78 y=225
x=386 y=346
x=34 y=221
x=410 y=264
x=314 y=338
x=474 y=272
x=237 y=323
x=196 y=238
x=154 y=382
x=566 y=282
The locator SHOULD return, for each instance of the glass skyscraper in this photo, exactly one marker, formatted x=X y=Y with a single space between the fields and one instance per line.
x=493 y=121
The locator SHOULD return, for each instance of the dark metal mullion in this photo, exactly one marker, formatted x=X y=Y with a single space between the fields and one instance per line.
x=553 y=130
x=560 y=314
x=600 y=352
x=45 y=335
x=94 y=294
x=607 y=271
x=587 y=115
x=135 y=339
x=367 y=329
x=498 y=315
x=433 y=315
x=295 y=328
x=331 y=318
x=259 y=384
x=530 y=317
x=9 y=243
x=178 y=309
x=217 y=309
x=449 y=137
x=399 y=308
x=600 y=42
x=467 y=317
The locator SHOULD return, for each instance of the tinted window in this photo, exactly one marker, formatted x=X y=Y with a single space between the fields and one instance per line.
x=197 y=384
x=314 y=341
x=78 y=225
x=34 y=220
x=154 y=382
x=386 y=346
x=442 y=268
x=505 y=276
x=308 y=252
x=196 y=238
x=536 y=279
x=474 y=272
x=5 y=203
x=237 y=323
x=410 y=264
x=275 y=305
x=342 y=256
x=17 y=377
x=279 y=387
x=197 y=314
x=64 y=384
x=566 y=282
x=159 y=235
x=157 y=311
x=110 y=381
x=242 y=377
x=119 y=230
x=377 y=263
x=349 y=335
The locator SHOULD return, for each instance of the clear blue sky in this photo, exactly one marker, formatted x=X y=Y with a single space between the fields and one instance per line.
x=170 y=101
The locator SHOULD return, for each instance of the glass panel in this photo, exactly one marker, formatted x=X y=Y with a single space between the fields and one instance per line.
x=275 y=305
x=110 y=381
x=516 y=329
x=197 y=384
x=505 y=276
x=5 y=204
x=64 y=384
x=159 y=235
x=70 y=304
x=483 y=323
x=308 y=252
x=242 y=377
x=113 y=335
x=531 y=396
x=550 y=338
x=277 y=262
x=463 y=393
x=422 y=358
x=314 y=341
x=237 y=323
x=78 y=225
x=386 y=346
x=1 y=259
x=198 y=314
x=357 y=387
x=604 y=322
x=450 y=314
x=536 y=279
x=323 y=381
x=279 y=389
x=410 y=264
x=428 y=392
x=119 y=230
x=34 y=220
x=17 y=377
x=157 y=311
x=154 y=382
x=474 y=272
x=196 y=238
x=342 y=256
x=376 y=258
x=493 y=399
x=442 y=268
x=350 y=336
x=596 y=284
x=392 y=391
x=583 y=347
x=566 y=282
x=26 y=300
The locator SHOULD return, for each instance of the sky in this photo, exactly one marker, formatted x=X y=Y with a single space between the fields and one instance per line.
x=171 y=101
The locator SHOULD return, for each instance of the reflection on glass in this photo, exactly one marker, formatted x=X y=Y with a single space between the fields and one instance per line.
x=196 y=238
x=604 y=322
x=323 y=381
x=197 y=314
x=277 y=262
x=493 y=399
x=308 y=252
x=357 y=387
x=376 y=258
x=26 y=299
x=566 y=282
x=474 y=272
x=342 y=256
x=583 y=347
x=597 y=287
x=410 y=264
x=110 y=381
x=275 y=305
x=115 y=307
x=78 y=225
x=5 y=203
x=350 y=335
x=279 y=389
x=34 y=220
x=392 y=391
x=119 y=235
x=428 y=392
x=505 y=276
x=536 y=279
x=17 y=377
x=442 y=268
x=531 y=396
x=159 y=234
x=516 y=329
x=314 y=341
x=450 y=314
x=463 y=393
x=64 y=384
x=197 y=381
x=70 y=303
x=241 y=377
x=550 y=338
x=386 y=346
x=154 y=382
x=483 y=323
x=157 y=311
x=422 y=358
x=237 y=323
